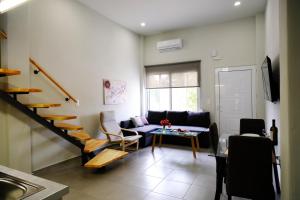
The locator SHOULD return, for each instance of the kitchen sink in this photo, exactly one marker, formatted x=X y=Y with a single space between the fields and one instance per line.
x=12 y=188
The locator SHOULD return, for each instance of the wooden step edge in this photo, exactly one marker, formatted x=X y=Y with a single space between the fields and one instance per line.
x=3 y=35
x=22 y=90
x=9 y=72
x=82 y=136
x=58 y=117
x=93 y=144
x=68 y=127
x=42 y=105
x=106 y=157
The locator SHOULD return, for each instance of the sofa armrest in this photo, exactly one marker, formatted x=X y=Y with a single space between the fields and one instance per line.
x=128 y=132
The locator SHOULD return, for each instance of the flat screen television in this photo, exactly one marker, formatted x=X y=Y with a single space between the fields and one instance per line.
x=270 y=86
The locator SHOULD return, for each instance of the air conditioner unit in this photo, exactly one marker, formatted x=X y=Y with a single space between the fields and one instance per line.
x=169 y=45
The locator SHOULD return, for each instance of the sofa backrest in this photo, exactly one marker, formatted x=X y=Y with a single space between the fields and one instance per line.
x=154 y=117
x=201 y=119
x=185 y=118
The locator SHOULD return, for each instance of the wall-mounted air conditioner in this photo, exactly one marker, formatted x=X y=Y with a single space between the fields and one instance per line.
x=169 y=45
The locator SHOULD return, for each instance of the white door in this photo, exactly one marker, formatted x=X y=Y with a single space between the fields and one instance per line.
x=235 y=97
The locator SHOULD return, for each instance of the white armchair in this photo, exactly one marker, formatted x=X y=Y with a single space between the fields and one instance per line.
x=113 y=132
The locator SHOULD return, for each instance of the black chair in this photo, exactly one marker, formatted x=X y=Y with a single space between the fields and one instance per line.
x=252 y=126
x=214 y=137
x=249 y=168
x=220 y=160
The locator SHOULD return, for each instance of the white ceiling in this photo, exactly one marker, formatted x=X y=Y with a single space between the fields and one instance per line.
x=166 y=15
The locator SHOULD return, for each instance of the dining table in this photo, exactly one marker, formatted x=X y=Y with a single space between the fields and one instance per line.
x=221 y=165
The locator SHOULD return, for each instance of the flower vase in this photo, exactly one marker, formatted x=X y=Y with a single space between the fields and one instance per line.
x=164 y=129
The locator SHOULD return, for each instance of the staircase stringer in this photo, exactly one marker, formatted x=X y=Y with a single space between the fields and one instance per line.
x=24 y=109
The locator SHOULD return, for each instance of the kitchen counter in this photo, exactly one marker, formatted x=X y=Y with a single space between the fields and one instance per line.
x=52 y=191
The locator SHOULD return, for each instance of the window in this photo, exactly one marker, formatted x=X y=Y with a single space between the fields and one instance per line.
x=173 y=86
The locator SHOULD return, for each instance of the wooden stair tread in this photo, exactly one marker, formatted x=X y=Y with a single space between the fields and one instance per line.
x=9 y=72
x=3 y=35
x=93 y=144
x=58 y=117
x=42 y=105
x=83 y=136
x=105 y=157
x=22 y=90
x=69 y=127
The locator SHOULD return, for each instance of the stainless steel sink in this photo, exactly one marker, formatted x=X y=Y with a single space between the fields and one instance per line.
x=12 y=188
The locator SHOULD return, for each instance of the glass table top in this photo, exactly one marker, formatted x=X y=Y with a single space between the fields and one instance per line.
x=174 y=132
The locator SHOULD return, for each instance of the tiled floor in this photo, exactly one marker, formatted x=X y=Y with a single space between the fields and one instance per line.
x=171 y=173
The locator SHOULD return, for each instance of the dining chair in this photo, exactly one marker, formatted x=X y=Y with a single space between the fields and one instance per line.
x=220 y=160
x=113 y=132
x=249 y=168
x=214 y=137
x=252 y=126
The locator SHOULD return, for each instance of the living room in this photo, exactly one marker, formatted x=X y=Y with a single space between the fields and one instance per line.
x=82 y=43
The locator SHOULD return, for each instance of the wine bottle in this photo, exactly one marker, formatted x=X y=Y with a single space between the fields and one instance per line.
x=274 y=131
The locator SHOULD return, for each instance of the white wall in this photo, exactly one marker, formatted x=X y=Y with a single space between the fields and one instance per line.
x=235 y=42
x=272 y=50
x=79 y=48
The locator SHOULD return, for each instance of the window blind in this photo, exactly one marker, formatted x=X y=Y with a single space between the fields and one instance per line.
x=175 y=75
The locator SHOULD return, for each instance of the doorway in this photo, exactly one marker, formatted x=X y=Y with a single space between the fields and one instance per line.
x=235 y=97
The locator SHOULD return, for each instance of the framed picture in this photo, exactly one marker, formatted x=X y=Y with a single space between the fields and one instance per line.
x=114 y=91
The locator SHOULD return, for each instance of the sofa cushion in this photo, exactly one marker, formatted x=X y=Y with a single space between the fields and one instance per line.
x=177 y=118
x=201 y=119
x=154 y=117
x=144 y=120
x=137 y=121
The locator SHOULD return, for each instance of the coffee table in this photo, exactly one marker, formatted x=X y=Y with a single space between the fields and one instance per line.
x=192 y=135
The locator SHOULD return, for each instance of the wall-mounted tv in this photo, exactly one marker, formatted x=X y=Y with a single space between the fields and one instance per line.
x=270 y=87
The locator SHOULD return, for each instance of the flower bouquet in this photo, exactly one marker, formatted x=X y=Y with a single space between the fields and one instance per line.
x=164 y=123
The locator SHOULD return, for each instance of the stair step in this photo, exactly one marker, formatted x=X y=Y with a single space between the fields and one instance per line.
x=42 y=105
x=58 y=117
x=105 y=157
x=9 y=72
x=3 y=35
x=93 y=144
x=68 y=127
x=83 y=136
x=22 y=90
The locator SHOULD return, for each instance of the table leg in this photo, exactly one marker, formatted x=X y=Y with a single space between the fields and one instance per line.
x=153 y=142
x=197 y=143
x=221 y=166
x=160 y=140
x=276 y=178
x=193 y=147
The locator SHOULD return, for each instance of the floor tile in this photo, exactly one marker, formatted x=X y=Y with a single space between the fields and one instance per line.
x=172 y=188
x=156 y=196
x=160 y=172
x=182 y=176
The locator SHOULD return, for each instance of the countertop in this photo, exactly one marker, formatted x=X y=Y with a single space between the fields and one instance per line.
x=53 y=191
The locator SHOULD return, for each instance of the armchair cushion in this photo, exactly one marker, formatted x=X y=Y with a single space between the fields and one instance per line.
x=154 y=117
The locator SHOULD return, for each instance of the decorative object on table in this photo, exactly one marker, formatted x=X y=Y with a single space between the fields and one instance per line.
x=164 y=123
x=274 y=133
x=114 y=91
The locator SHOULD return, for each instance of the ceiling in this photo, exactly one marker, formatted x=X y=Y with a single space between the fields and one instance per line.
x=167 y=15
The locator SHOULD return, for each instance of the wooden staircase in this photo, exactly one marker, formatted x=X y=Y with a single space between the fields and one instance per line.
x=89 y=147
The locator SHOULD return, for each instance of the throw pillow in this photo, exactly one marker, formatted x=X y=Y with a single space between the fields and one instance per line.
x=144 y=120
x=137 y=121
